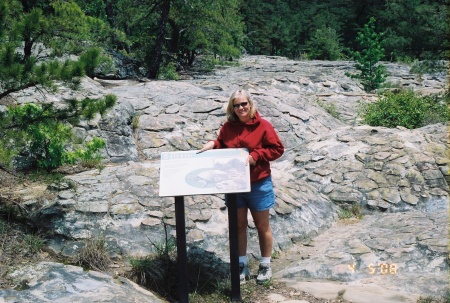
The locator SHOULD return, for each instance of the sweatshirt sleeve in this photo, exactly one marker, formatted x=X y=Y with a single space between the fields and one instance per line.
x=272 y=147
x=218 y=143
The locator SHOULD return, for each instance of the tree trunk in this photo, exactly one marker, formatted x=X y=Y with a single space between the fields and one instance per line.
x=175 y=37
x=156 y=56
x=191 y=58
x=110 y=15
x=27 y=50
x=26 y=7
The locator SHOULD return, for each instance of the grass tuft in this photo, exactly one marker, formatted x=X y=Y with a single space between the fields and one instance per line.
x=94 y=255
x=348 y=212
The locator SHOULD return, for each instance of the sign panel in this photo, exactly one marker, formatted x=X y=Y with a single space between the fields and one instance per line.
x=215 y=171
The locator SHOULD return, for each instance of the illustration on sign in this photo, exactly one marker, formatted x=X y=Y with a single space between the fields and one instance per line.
x=211 y=172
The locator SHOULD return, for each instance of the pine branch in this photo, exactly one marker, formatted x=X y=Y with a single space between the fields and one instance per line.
x=13 y=90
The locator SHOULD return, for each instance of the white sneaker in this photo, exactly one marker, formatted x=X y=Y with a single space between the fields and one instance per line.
x=244 y=273
x=264 y=273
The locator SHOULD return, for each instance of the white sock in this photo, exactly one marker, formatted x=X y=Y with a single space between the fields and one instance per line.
x=243 y=259
x=265 y=260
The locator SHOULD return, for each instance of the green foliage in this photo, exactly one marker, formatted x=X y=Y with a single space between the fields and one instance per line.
x=372 y=74
x=206 y=64
x=35 y=37
x=329 y=107
x=324 y=45
x=168 y=72
x=135 y=122
x=406 y=109
x=34 y=243
x=156 y=273
x=428 y=67
x=6 y=154
x=266 y=26
x=413 y=28
x=42 y=133
x=89 y=156
x=209 y=27
x=352 y=211
x=90 y=60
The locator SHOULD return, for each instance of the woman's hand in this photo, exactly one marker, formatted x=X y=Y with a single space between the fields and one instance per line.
x=250 y=160
x=206 y=146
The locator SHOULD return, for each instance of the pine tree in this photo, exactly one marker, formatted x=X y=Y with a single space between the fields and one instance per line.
x=372 y=74
x=32 y=39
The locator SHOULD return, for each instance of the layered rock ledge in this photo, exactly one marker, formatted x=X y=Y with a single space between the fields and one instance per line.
x=397 y=176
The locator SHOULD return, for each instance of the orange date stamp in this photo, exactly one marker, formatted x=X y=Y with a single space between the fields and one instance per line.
x=378 y=269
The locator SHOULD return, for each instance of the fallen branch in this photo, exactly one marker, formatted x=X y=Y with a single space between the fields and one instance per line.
x=7 y=170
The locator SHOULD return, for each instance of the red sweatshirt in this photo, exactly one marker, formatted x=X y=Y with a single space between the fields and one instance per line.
x=259 y=137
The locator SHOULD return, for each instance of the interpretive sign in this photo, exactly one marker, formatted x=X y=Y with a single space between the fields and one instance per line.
x=215 y=171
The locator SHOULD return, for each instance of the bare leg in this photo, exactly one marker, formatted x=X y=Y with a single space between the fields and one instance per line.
x=242 y=224
x=261 y=219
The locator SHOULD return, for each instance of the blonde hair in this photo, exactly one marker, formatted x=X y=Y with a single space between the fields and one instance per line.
x=231 y=115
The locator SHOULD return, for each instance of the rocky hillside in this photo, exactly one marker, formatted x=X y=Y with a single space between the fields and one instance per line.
x=396 y=176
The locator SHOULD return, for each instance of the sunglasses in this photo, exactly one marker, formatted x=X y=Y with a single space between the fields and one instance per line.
x=243 y=104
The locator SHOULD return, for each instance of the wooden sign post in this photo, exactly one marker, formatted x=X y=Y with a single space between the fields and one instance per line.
x=218 y=171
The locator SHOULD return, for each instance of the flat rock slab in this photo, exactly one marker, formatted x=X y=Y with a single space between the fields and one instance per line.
x=55 y=282
x=353 y=292
x=392 y=252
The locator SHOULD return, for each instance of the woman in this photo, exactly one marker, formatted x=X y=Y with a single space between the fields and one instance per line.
x=245 y=128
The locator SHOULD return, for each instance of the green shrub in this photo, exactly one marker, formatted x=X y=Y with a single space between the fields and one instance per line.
x=324 y=45
x=352 y=211
x=406 y=109
x=40 y=135
x=168 y=72
x=89 y=156
x=90 y=60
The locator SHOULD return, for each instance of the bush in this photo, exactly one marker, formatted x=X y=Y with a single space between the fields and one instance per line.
x=40 y=135
x=352 y=211
x=90 y=60
x=168 y=72
x=406 y=109
x=89 y=156
x=324 y=45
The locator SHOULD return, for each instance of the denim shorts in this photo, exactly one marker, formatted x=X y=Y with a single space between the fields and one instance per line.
x=260 y=198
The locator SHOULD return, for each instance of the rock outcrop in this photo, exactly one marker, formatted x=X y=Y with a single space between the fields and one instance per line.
x=55 y=282
x=397 y=176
